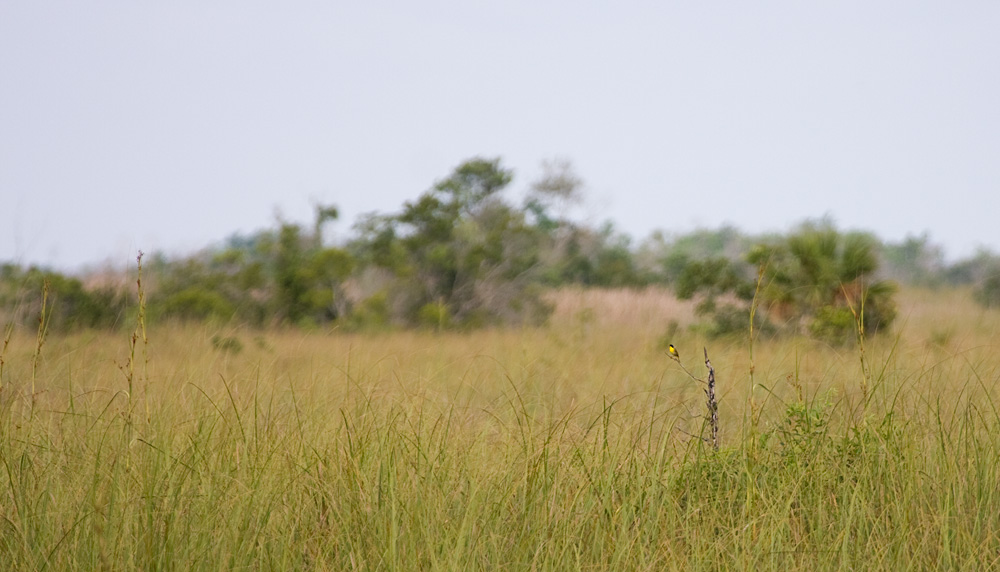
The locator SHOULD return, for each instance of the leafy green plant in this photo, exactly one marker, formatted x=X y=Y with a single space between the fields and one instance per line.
x=434 y=315
x=71 y=305
x=816 y=281
x=817 y=276
x=804 y=430
x=987 y=292
x=194 y=303
x=725 y=290
x=371 y=314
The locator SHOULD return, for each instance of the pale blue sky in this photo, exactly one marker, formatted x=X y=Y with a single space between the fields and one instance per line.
x=171 y=125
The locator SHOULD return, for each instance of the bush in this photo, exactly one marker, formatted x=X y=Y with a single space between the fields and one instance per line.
x=195 y=304
x=371 y=314
x=834 y=325
x=813 y=281
x=434 y=315
x=988 y=291
x=68 y=304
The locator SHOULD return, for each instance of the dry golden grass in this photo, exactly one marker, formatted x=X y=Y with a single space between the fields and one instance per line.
x=642 y=311
x=600 y=345
x=566 y=447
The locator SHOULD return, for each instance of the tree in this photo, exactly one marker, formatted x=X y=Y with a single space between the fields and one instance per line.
x=284 y=275
x=816 y=281
x=913 y=261
x=291 y=279
x=473 y=182
x=309 y=277
x=460 y=254
x=987 y=291
x=69 y=304
x=725 y=290
x=664 y=259
x=557 y=189
x=822 y=281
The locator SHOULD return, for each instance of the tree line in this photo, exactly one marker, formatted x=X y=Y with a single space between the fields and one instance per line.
x=463 y=254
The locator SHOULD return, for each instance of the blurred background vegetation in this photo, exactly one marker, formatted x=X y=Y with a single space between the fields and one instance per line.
x=465 y=255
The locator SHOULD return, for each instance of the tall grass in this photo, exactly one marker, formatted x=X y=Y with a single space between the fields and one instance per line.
x=561 y=448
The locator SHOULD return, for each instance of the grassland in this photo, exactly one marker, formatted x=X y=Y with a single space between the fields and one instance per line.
x=573 y=447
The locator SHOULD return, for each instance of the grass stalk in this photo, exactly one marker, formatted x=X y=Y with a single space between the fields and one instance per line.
x=43 y=328
x=8 y=332
x=751 y=418
x=858 y=312
x=138 y=333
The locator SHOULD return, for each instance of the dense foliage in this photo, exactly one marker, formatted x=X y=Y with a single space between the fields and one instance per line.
x=463 y=254
x=64 y=301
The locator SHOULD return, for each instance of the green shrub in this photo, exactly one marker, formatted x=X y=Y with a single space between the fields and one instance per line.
x=69 y=304
x=988 y=291
x=371 y=314
x=834 y=325
x=814 y=281
x=194 y=303
x=434 y=315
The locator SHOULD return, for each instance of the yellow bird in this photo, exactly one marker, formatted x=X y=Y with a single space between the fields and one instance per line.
x=673 y=352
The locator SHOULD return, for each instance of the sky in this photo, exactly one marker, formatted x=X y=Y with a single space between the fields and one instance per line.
x=169 y=126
